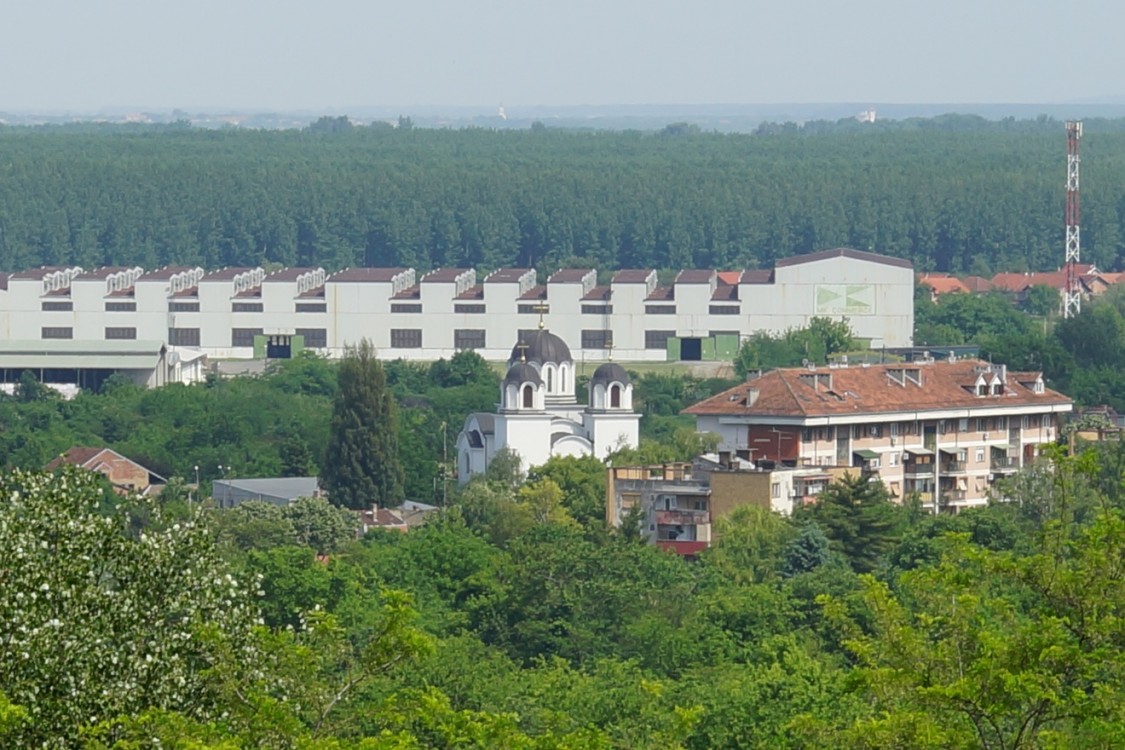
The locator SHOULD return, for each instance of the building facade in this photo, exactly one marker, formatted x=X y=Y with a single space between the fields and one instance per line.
x=539 y=415
x=248 y=313
x=943 y=430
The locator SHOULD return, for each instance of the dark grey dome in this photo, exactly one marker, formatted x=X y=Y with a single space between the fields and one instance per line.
x=610 y=372
x=541 y=346
x=522 y=372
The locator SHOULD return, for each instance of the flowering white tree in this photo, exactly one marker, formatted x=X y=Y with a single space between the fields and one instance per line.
x=100 y=620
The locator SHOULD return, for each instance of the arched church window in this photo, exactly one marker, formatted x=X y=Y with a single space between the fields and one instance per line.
x=528 y=397
x=550 y=378
x=615 y=396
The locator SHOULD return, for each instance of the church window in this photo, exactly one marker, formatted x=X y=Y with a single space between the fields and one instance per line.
x=528 y=396
x=615 y=396
x=550 y=371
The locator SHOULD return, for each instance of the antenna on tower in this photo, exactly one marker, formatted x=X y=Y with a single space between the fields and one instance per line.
x=1072 y=297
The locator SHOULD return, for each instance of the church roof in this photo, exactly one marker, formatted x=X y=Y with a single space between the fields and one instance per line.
x=522 y=372
x=541 y=346
x=610 y=372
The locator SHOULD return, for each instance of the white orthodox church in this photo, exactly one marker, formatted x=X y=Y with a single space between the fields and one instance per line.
x=539 y=416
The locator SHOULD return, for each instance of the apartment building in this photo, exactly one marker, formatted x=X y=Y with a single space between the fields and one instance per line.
x=245 y=313
x=675 y=504
x=945 y=430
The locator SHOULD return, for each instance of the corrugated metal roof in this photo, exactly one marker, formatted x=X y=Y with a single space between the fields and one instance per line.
x=80 y=355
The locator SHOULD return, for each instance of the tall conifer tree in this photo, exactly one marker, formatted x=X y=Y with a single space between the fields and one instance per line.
x=362 y=464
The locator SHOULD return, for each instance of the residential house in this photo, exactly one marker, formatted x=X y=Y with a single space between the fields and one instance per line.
x=126 y=475
x=945 y=430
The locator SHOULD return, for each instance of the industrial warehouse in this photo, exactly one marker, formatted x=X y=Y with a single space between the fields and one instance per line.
x=247 y=313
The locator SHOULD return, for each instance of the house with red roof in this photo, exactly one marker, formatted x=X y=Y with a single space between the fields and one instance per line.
x=943 y=430
x=126 y=475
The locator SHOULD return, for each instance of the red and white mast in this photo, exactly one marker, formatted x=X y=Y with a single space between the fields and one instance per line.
x=1072 y=297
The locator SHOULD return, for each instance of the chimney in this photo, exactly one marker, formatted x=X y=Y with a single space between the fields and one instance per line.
x=751 y=396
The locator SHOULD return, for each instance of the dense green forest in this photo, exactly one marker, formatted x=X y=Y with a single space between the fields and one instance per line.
x=951 y=194
x=516 y=621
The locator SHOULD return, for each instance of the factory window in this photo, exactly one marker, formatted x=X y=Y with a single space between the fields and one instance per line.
x=183 y=307
x=120 y=306
x=597 y=309
x=725 y=310
x=183 y=336
x=246 y=307
x=55 y=332
x=660 y=309
x=406 y=338
x=315 y=338
x=120 y=333
x=403 y=307
x=312 y=307
x=57 y=306
x=469 y=309
x=658 y=339
x=244 y=336
x=468 y=338
x=597 y=339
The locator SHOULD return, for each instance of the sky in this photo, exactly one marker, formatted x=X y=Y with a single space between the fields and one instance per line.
x=328 y=55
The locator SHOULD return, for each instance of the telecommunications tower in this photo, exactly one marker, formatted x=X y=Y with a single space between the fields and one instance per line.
x=1072 y=297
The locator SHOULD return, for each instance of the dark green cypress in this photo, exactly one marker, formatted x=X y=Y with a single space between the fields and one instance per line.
x=361 y=464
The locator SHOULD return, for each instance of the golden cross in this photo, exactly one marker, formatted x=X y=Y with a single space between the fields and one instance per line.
x=541 y=308
x=609 y=346
x=522 y=346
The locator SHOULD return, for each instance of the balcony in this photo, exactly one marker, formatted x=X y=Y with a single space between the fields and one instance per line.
x=954 y=496
x=681 y=517
x=918 y=470
x=1005 y=464
x=953 y=467
x=687 y=549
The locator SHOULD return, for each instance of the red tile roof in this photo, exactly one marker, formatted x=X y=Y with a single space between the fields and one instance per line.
x=695 y=276
x=724 y=293
x=791 y=392
x=535 y=292
x=661 y=293
x=757 y=276
x=943 y=283
x=632 y=276
x=729 y=277
x=598 y=293
x=977 y=284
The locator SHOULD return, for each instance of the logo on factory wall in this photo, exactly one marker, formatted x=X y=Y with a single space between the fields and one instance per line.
x=845 y=299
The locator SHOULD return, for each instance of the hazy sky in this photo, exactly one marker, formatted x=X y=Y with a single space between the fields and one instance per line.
x=332 y=54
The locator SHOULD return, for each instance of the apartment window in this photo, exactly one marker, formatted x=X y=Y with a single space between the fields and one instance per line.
x=244 y=336
x=469 y=309
x=725 y=310
x=315 y=338
x=962 y=425
x=120 y=306
x=597 y=309
x=892 y=458
x=55 y=332
x=406 y=338
x=183 y=307
x=658 y=339
x=894 y=429
x=775 y=489
x=183 y=336
x=875 y=430
x=806 y=435
x=534 y=309
x=312 y=307
x=57 y=306
x=406 y=307
x=246 y=307
x=468 y=338
x=120 y=334
x=980 y=455
x=597 y=339
x=963 y=455
x=660 y=309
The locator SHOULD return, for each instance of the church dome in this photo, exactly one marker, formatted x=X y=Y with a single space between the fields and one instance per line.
x=610 y=372
x=522 y=372
x=541 y=346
